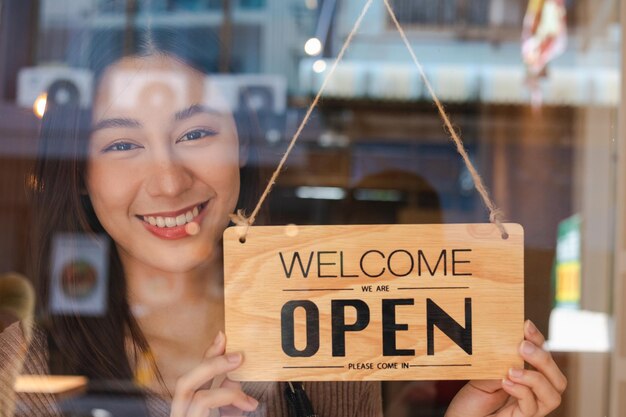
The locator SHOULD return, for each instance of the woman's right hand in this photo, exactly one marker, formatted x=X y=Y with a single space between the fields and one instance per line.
x=195 y=395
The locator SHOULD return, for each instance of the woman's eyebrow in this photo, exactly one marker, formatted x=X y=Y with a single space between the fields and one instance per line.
x=116 y=122
x=193 y=110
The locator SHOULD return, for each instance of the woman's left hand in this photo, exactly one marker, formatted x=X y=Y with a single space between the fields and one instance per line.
x=524 y=393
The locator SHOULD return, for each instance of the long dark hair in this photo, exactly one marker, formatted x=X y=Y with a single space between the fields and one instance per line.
x=96 y=347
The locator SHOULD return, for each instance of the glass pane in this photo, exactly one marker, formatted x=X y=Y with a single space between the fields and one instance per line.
x=131 y=130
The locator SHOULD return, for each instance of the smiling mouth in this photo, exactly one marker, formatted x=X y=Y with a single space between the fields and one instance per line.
x=181 y=219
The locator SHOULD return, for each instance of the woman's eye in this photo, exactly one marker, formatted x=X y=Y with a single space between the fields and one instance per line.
x=196 y=134
x=121 y=146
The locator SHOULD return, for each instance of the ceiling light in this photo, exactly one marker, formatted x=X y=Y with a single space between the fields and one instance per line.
x=39 y=106
x=313 y=47
x=319 y=66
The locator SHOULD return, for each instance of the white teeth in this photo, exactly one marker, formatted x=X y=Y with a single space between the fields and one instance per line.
x=173 y=221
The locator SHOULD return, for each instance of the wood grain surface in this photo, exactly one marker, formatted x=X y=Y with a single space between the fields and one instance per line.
x=425 y=277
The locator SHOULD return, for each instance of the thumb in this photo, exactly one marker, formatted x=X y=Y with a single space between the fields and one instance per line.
x=218 y=346
x=488 y=385
x=478 y=398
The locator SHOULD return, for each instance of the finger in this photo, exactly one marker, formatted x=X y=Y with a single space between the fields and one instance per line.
x=187 y=385
x=230 y=411
x=533 y=334
x=544 y=363
x=547 y=396
x=229 y=383
x=488 y=386
x=218 y=346
x=526 y=401
x=482 y=397
x=206 y=400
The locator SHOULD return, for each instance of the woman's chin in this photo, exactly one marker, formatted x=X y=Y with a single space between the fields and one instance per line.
x=178 y=260
x=182 y=263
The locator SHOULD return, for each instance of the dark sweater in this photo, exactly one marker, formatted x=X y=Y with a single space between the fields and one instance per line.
x=330 y=399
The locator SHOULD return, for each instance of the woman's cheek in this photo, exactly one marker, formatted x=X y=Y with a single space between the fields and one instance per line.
x=110 y=188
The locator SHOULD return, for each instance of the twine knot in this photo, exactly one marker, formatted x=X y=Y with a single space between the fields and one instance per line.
x=495 y=214
x=244 y=223
x=240 y=219
x=495 y=217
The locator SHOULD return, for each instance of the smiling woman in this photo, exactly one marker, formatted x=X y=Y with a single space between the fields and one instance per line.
x=157 y=161
x=156 y=164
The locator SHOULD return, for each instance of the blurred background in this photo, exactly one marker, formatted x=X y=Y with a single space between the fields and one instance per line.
x=534 y=88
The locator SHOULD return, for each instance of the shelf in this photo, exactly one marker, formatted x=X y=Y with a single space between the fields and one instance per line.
x=181 y=19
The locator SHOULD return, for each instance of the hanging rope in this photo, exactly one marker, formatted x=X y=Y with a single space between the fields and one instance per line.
x=495 y=214
x=240 y=219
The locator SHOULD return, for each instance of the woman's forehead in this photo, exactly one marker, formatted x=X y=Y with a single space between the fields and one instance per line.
x=153 y=81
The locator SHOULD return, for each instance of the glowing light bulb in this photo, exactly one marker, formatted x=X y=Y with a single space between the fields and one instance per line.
x=313 y=47
x=319 y=66
x=311 y=4
x=39 y=106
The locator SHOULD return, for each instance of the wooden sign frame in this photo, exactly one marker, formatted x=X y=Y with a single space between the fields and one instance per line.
x=375 y=302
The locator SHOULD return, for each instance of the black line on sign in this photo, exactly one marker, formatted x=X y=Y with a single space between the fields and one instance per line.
x=429 y=366
x=433 y=288
x=311 y=367
x=323 y=289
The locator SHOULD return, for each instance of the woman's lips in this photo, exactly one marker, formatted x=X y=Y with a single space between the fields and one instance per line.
x=174 y=227
x=172 y=213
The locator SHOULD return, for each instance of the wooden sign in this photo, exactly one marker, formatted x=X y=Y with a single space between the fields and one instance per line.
x=376 y=302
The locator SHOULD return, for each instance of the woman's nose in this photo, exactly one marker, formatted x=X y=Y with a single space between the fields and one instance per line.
x=169 y=178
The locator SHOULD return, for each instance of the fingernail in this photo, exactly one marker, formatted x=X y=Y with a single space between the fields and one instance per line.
x=233 y=357
x=507 y=382
x=528 y=348
x=253 y=402
x=516 y=373
x=219 y=338
x=532 y=329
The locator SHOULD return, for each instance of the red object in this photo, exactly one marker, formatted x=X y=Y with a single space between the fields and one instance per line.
x=545 y=34
x=176 y=232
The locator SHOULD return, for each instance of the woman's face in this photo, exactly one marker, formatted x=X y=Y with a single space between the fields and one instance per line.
x=162 y=154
